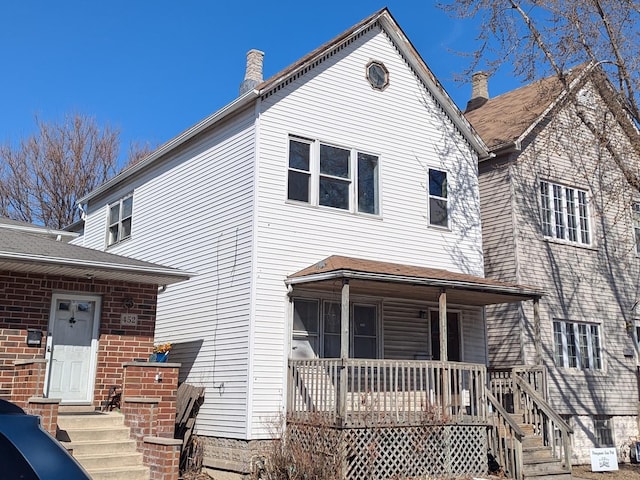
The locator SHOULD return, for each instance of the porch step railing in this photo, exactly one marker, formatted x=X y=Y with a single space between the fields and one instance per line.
x=358 y=392
x=505 y=439
x=521 y=392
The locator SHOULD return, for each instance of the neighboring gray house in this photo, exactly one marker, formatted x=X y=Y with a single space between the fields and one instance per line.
x=558 y=213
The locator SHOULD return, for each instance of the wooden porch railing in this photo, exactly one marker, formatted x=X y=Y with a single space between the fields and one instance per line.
x=359 y=392
x=505 y=439
x=521 y=391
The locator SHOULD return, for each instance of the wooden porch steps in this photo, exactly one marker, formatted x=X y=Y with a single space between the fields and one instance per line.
x=538 y=460
x=100 y=443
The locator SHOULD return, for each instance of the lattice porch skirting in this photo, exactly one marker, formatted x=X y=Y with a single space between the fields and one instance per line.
x=382 y=453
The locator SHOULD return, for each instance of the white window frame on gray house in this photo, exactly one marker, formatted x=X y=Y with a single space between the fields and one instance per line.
x=577 y=345
x=565 y=213
x=319 y=331
x=438 y=198
x=635 y=215
x=603 y=431
x=326 y=175
x=119 y=220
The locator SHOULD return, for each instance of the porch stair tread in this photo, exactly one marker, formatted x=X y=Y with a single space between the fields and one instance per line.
x=101 y=443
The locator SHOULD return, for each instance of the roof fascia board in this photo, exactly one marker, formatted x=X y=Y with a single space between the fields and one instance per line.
x=428 y=282
x=437 y=90
x=105 y=266
x=188 y=134
x=563 y=94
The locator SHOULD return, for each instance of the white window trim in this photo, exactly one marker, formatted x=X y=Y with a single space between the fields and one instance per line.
x=564 y=324
x=550 y=225
x=319 y=335
x=119 y=202
x=315 y=175
x=635 y=225
x=436 y=197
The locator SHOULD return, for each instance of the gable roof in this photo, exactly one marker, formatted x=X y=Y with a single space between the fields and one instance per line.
x=386 y=21
x=464 y=288
x=508 y=118
x=31 y=252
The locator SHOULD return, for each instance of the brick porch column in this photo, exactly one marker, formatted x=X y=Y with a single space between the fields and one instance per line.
x=149 y=406
x=28 y=381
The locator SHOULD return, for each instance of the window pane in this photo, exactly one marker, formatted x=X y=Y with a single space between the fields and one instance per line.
x=558 y=211
x=304 y=347
x=438 y=212
x=546 y=209
x=114 y=214
x=332 y=313
x=584 y=346
x=437 y=183
x=595 y=346
x=299 y=155
x=572 y=351
x=113 y=234
x=298 y=187
x=334 y=193
x=364 y=320
x=558 y=348
x=572 y=224
x=367 y=183
x=127 y=207
x=126 y=228
x=305 y=316
x=583 y=211
x=334 y=161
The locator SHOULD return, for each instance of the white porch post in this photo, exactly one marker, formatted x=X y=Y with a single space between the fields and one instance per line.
x=344 y=321
x=442 y=305
x=344 y=349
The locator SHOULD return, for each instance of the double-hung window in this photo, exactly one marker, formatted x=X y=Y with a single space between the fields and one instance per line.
x=636 y=225
x=332 y=176
x=577 y=345
x=565 y=213
x=317 y=325
x=120 y=214
x=438 y=201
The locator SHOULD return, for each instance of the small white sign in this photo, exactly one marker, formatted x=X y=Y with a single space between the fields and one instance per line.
x=604 y=459
x=129 y=319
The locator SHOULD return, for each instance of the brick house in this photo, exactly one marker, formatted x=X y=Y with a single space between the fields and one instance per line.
x=83 y=311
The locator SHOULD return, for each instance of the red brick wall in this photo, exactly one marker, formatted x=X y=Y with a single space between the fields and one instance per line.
x=25 y=302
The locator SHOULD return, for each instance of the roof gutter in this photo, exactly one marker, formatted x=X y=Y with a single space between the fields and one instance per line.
x=188 y=134
x=419 y=281
x=178 y=275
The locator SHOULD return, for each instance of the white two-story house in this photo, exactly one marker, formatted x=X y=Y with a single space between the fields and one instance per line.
x=328 y=214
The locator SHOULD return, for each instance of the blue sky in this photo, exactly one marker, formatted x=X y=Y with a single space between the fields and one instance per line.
x=153 y=68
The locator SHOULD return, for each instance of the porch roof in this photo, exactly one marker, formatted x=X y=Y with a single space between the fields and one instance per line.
x=33 y=252
x=409 y=281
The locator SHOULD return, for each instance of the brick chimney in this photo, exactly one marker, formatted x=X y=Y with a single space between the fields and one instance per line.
x=253 y=74
x=479 y=91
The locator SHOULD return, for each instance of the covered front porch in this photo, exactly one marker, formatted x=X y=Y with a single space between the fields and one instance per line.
x=405 y=388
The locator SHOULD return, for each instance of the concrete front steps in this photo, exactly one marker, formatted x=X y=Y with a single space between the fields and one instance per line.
x=538 y=461
x=100 y=443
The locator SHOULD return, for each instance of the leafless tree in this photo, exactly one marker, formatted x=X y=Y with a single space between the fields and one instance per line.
x=43 y=175
x=538 y=38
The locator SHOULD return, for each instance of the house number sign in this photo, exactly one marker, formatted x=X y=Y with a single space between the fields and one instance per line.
x=129 y=319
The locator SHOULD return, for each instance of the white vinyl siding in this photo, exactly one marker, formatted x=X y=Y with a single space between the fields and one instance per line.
x=206 y=229
x=334 y=104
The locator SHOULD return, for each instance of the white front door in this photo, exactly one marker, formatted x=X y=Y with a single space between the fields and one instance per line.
x=72 y=347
